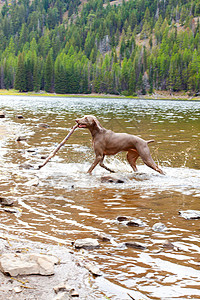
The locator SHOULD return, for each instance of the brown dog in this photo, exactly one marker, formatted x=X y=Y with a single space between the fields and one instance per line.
x=107 y=142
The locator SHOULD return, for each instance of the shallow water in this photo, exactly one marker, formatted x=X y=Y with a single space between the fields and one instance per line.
x=69 y=204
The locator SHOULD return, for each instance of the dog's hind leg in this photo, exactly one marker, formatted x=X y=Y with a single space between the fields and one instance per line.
x=148 y=160
x=132 y=156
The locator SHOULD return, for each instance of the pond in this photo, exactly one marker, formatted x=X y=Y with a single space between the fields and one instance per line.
x=69 y=204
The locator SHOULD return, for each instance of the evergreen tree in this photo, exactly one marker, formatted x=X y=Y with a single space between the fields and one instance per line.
x=48 y=72
x=20 y=78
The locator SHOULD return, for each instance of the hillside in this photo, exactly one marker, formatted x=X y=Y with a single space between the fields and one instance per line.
x=118 y=47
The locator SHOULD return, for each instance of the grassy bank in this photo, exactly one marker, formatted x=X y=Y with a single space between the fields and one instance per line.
x=157 y=95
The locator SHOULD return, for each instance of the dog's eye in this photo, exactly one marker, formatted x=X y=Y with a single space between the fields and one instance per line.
x=86 y=118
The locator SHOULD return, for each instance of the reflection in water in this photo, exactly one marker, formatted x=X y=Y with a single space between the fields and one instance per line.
x=69 y=204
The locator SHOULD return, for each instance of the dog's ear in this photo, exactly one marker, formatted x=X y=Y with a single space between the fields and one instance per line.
x=97 y=123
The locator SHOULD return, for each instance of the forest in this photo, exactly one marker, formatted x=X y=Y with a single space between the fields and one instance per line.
x=100 y=46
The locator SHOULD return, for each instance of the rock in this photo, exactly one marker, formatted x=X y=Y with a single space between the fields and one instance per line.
x=87 y=243
x=17 y=289
x=2 y=114
x=43 y=125
x=43 y=157
x=27 y=264
x=121 y=219
x=26 y=166
x=93 y=269
x=113 y=178
x=6 y=201
x=190 y=214
x=31 y=150
x=33 y=182
x=74 y=293
x=134 y=245
x=167 y=244
x=10 y=210
x=103 y=236
x=134 y=222
x=159 y=227
x=63 y=287
x=62 y=296
x=21 y=138
x=19 y=117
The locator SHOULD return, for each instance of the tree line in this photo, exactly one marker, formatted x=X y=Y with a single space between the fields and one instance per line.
x=135 y=47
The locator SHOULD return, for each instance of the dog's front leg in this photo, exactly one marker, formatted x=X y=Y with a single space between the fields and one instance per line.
x=103 y=166
x=95 y=163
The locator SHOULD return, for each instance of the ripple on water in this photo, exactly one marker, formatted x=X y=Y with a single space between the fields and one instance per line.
x=68 y=203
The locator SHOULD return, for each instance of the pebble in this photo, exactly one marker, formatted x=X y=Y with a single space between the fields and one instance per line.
x=87 y=243
x=93 y=269
x=63 y=287
x=17 y=289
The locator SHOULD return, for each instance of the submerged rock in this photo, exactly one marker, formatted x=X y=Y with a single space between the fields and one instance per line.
x=2 y=114
x=10 y=210
x=26 y=166
x=44 y=156
x=87 y=243
x=6 y=201
x=135 y=245
x=130 y=221
x=190 y=214
x=31 y=150
x=43 y=125
x=16 y=264
x=103 y=236
x=160 y=227
x=113 y=178
x=21 y=138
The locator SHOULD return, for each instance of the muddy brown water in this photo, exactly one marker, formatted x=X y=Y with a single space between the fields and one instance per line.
x=69 y=204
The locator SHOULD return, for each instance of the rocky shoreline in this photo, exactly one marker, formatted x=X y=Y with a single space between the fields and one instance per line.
x=69 y=278
x=157 y=95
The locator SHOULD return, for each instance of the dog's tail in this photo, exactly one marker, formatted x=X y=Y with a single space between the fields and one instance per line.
x=150 y=141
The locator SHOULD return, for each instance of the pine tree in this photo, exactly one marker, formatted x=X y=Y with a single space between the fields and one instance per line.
x=20 y=77
x=48 y=72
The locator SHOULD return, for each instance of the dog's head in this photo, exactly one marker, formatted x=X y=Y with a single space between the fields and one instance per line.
x=88 y=122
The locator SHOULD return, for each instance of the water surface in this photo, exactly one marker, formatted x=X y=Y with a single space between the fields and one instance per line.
x=69 y=204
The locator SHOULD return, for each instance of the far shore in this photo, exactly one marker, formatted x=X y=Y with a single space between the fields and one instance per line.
x=157 y=95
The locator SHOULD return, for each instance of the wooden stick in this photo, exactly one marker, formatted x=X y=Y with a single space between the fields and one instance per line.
x=53 y=153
